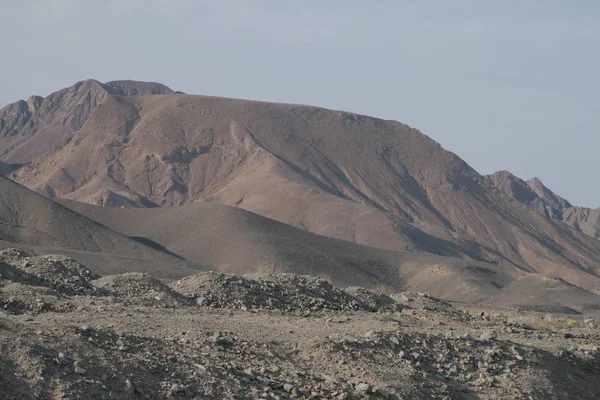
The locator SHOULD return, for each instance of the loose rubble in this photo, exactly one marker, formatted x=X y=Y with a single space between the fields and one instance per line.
x=220 y=336
x=284 y=292
x=141 y=288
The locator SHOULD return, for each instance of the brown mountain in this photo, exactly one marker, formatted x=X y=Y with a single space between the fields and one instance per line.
x=235 y=240
x=231 y=239
x=347 y=176
x=29 y=218
x=534 y=194
x=39 y=225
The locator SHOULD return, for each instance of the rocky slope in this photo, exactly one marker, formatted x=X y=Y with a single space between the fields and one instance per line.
x=347 y=176
x=67 y=333
x=534 y=194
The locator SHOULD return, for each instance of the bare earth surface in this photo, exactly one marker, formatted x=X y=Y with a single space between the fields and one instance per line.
x=67 y=333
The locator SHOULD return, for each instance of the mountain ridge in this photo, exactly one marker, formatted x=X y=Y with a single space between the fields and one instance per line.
x=542 y=199
x=338 y=174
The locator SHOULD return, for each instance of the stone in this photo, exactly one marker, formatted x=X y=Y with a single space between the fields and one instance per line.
x=563 y=351
x=249 y=373
x=288 y=387
x=202 y=301
x=177 y=388
x=129 y=389
x=486 y=336
x=363 y=387
x=590 y=323
x=79 y=370
x=60 y=358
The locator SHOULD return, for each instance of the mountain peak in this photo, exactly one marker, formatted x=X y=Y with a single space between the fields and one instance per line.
x=136 y=88
x=533 y=193
x=536 y=184
x=547 y=195
x=514 y=186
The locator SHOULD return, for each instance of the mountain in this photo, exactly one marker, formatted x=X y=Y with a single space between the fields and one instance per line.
x=29 y=218
x=347 y=176
x=30 y=128
x=136 y=88
x=227 y=238
x=238 y=241
x=534 y=194
x=234 y=240
x=531 y=193
x=548 y=196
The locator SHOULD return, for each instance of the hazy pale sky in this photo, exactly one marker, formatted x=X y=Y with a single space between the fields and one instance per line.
x=511 y=84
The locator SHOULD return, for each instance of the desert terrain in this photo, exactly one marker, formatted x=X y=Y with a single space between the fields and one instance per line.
x=155 y=244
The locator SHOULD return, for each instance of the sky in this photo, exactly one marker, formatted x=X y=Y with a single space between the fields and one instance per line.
x=507 y=85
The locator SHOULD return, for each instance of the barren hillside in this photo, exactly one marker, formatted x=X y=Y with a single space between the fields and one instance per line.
x=534 y=194
x=343 y=175
x=29 y=218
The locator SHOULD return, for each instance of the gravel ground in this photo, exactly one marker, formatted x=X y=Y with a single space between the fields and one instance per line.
x=68 y=334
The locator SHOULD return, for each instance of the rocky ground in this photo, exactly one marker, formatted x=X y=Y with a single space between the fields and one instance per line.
x=67 y=333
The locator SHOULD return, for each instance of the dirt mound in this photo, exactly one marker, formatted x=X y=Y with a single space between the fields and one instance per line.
x=12 y=255
x=140 y=287
x=90 y=347
x=425 y=302
x=374 y=300
x=19 y=298
x=10 y=273
x=23 y=290
x=60 y=273
x=283 y=292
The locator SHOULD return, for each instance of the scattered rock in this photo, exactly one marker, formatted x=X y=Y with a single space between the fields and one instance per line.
x=177 y=388
x=141 y=288
x=79 y=370
x=363 y=387
x=486 y=336
x=129 y=389
x=283 y=292
x=590 y=323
